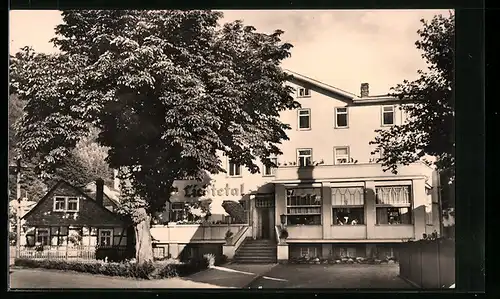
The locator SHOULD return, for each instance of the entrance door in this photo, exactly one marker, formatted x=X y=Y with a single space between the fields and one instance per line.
x=265 y=233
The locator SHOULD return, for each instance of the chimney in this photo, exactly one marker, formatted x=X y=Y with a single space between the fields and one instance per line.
x=116 y=180
x=99 y=191
x=365 y=90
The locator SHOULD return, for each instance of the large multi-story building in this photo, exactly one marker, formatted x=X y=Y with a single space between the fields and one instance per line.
x=328 y=190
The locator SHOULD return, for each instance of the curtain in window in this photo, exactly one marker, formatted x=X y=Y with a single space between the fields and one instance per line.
x=382 y=216
x=347 y=196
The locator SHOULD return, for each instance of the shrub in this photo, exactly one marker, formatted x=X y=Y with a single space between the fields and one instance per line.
x=147 y=270
x=229 y=235
x=283 y=234
x=114 y=254
x=210 y=258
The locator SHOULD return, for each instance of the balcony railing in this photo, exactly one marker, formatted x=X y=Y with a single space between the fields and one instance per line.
x=342 y=171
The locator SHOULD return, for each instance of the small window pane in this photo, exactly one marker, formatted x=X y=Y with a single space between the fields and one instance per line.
x=304 y=152
x=72 y=204
x=342 y=151
x=304 y=122
x=388 y=109
x=341 y=120
x=60 y=204
x=388 y=118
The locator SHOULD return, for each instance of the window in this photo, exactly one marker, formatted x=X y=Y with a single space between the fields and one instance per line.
x=269 y=171
x=105 y=237
x=58 y=235
x=66 y=204
x=303 y=206
x=72 y=204
x=177 y=211
x=234 y=169
x=304 y=119
x=388 y=115
x=393 y=205
x=309 y=252
x=59 y=204
x=341 y=118
x=348 y=206
x=303 y=92
x=346 y=252
x=341 y=155
x=304 y=157
x=42 y=236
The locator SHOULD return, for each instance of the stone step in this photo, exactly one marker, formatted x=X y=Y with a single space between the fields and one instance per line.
x=259 y=262
x=256 y=251
x=260 y=253
x=255 y=261
x=254 y=258
x=258 y=245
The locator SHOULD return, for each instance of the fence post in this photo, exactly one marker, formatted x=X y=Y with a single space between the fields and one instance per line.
x=438 y=253
x=421 y=264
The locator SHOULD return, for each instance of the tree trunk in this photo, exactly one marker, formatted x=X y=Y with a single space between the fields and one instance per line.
x=143 y=240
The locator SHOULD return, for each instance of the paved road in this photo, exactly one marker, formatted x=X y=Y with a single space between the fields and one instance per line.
x=48 y=279
x=332 y=276
x=230 y=276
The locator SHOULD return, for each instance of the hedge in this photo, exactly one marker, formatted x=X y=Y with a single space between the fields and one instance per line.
x=150 y=270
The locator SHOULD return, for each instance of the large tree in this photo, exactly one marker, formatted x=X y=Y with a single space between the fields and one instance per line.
x=85 y=163
x=169 y=90
x=429 y=129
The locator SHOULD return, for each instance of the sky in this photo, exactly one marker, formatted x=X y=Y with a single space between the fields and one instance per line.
x=342 y=48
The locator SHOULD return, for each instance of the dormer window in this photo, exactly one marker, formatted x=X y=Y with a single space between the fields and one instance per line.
x=303 y=92
x=66 y=204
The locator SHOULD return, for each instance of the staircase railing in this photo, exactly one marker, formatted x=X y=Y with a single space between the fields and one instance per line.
x=239 y=237
x=277 y=233
x=229 y=249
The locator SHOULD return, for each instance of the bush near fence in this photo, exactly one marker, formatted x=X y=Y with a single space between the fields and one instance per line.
x=428 y=263
x=151 y=270
x=114 y=253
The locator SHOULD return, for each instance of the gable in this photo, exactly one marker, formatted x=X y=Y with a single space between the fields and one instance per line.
x=89 y=211
x=320 y=87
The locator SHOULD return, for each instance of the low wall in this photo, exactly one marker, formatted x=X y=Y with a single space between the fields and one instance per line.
x=173 y=233
x=428 y=264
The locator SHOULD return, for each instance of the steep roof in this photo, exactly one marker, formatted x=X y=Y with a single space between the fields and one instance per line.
x=321 y=85
x=346 y=96
x=78 y=190
x=109 y=193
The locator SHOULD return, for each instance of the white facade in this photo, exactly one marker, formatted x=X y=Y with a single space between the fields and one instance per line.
x=331 y=132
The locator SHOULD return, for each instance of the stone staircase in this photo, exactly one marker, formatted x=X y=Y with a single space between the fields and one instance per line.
x=256 y=252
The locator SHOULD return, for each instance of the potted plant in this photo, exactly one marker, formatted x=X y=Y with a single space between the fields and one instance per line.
x=229 y=236
x=283 y=235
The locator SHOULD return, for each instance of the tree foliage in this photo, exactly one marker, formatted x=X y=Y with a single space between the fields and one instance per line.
x=168 y=90
x=429 y=129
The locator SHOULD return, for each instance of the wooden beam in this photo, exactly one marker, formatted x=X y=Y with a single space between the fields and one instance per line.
x=121 y=236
